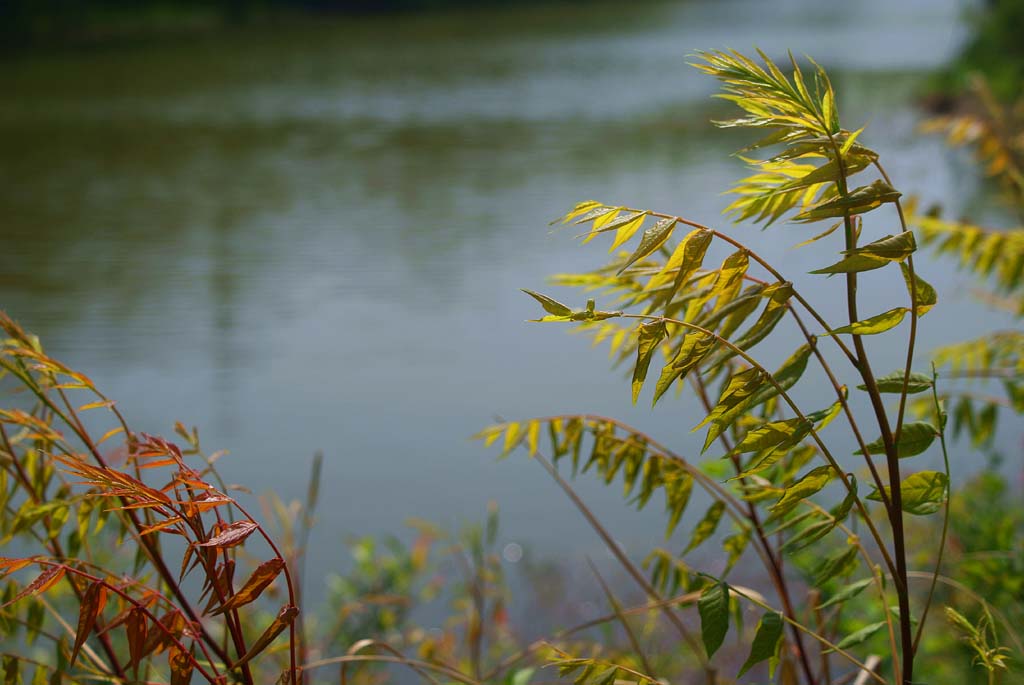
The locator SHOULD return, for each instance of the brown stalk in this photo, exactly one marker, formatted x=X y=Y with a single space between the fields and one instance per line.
x=774 y=567
x=895 y=509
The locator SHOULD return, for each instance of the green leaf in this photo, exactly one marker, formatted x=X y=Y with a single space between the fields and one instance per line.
x=915 y=437
x=785 y=377
x=678 y=488
x=606 y=677
x=653 y=238
x=621 y=220
x=593 y=214
x=813 y=481
x=766 y=641
x=925 y=294
x=842 y=510
x=735 y=545
x=685 y=260
x=651 y=335
x=818 y=237
x=853 y=264
x=858 y=201
x=893 y=248
x=839 y=564
x=923 y=493
x=707 y=526
x=823 y=417
x=807 y=536
x=550 y=305
x=713 y=607
x=875 y=325
x=774 y=433
x=893 y=382
x=694 y=347
x=577 y=211
x=855 y=638
x=778 y=295
x=734 y=398
x=626 y=229
x=730 y=278
x=521 y=676
x=846 y=592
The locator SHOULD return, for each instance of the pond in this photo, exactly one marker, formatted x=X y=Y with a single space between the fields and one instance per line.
x=311 y=237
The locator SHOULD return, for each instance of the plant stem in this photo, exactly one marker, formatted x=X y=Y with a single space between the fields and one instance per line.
x=617 y=552
x=774 y=567
x=796 y=409
x=895 y=508
x=945 y=514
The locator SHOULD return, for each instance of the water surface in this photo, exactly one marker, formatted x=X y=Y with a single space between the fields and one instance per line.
x=312 y=237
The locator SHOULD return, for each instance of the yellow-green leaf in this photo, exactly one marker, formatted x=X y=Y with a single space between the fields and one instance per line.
x=707 y=526
x=550 y=305
x=650 y=336
x=772 y=434
x=713 y=607
x=922 y=493
x=685 y=260
x=858 y=201
x=767 y=640
x=653 y=238
x=694 y=347
x=915 y=437
x=874 y=325
x=846 y=592
x=893 y=382
x=923 y=293
x=813 y=481
x=624 y=227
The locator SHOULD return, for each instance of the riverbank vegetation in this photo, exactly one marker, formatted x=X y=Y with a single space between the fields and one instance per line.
x=130 y=560
x=60 y=23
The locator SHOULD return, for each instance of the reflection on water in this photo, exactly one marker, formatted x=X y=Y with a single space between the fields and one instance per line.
x=313 y=237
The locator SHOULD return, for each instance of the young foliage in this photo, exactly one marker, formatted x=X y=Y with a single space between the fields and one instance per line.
x=700 y=319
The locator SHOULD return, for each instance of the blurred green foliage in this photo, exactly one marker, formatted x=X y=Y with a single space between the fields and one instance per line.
x=30 y=23
x=995 y=49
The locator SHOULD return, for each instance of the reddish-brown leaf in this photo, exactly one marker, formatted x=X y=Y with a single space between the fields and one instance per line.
x=93 y=601
x=205 y=502
x=231 y=535
x=185 y=568
x=160 y=525
x=180 y=664
x=259 y=580
x=135 y=627
x=220 y=586
x=283 y=620
x=9 y=565
x=109 y=434
x=46 y=580
x=174 y=625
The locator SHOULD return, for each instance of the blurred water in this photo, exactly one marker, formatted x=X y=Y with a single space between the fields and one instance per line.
x=313 y=237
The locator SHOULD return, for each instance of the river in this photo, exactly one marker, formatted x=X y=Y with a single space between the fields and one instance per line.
x=312 y=236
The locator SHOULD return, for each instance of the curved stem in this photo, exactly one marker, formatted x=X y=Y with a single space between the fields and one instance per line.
x=876 y=575
x=863 y=365
x=733 y=506
x=765 y=265
x=687 y=598
x=841 y=396
x=796 y=410
x=620 y=555
x=773 y=563
x=945 y=515
x=804 y=629
x=382 y=658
